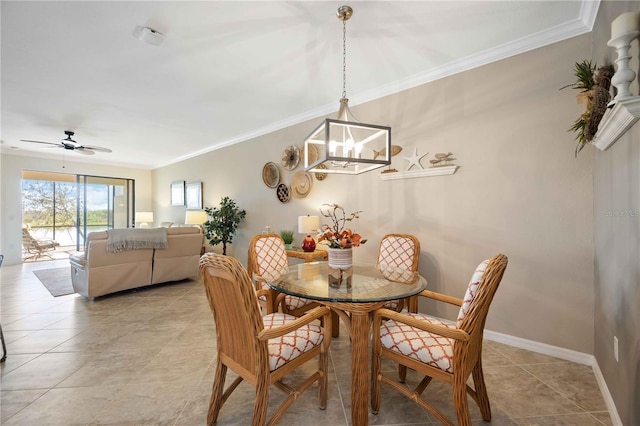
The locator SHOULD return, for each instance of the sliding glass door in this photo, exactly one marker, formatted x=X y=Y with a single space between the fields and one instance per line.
x=103 y=203
x=66 y=207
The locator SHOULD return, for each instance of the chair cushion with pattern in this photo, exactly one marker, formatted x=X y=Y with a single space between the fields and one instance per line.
x=292 y=345
x=295 y=302
x=420 y=345
x=472 y=289
x=397 y=251
x=270 y=255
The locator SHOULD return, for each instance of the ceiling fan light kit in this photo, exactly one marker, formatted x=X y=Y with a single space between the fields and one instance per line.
x=344 y=145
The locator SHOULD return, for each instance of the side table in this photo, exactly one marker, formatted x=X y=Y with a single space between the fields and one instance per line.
x=308 y=256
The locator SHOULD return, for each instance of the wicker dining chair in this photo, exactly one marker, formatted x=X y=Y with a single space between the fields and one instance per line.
x=267 y=258
x=448 y=352
x=260 y=349
x=400 y=251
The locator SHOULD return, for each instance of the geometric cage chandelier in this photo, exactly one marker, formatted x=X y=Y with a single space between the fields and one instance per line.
x=343 y=144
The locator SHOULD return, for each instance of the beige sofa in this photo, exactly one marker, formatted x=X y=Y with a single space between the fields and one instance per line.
x=96 y=271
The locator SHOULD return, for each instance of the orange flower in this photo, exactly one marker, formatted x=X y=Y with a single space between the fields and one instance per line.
x=337 y=236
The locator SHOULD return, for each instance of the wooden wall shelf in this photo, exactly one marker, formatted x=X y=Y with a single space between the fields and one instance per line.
x=432 y=171
x=616 y=121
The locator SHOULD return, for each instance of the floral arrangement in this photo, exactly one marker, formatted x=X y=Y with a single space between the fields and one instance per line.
x=336 y=235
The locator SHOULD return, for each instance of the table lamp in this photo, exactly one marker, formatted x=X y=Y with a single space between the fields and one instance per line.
x=195 y=217
x=143 y=218
x=306 y=225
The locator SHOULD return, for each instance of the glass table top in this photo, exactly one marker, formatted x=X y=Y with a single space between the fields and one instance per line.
x=359 y=284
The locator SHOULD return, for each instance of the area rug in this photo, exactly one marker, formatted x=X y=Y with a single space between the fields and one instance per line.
x=56 y=280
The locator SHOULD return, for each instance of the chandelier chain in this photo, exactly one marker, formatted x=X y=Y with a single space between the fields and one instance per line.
x=344 y=58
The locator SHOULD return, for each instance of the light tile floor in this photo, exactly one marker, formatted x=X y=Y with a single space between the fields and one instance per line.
x=146 y=357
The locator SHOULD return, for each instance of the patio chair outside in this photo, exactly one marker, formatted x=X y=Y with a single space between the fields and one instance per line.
x=34 y=248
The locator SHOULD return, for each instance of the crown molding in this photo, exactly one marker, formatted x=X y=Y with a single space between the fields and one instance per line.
x=581 y=25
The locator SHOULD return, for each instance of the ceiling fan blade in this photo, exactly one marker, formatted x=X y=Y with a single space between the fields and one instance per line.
x=96 y=148
x=84 y=151
x=46 y=143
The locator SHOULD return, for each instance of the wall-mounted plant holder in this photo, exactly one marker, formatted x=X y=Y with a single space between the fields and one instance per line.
x=624 y=109
x=616 y=122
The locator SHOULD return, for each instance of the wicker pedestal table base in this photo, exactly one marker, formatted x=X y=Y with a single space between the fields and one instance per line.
x=357 y=319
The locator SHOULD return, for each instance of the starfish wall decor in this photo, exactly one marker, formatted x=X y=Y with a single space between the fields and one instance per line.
x=414 y=160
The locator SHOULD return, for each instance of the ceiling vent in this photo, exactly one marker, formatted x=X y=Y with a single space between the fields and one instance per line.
x=148 y=35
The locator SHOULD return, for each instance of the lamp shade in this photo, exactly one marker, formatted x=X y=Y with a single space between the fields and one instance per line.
x=195 y=217
x=308 y=224
x=144 y=217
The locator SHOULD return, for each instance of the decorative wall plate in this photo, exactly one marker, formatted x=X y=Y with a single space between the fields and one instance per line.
x=291 y=157
x=271 y=175
x=283 y=193
x=301 y=184
x=319 y=175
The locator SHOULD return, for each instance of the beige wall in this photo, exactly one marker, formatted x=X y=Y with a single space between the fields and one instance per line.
x=11 y=167
x=616 y=218
x=519 y=190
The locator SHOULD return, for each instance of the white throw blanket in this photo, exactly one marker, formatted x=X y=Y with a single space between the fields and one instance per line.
x=136 y=238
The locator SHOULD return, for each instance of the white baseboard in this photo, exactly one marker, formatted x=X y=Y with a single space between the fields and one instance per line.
x=566 y=354
x=608 y=399
x=541 y=348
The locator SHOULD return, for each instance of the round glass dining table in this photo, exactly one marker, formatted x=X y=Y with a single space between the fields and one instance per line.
x=353 y=294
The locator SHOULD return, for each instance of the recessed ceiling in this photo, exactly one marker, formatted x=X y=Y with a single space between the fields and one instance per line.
x=228 y=71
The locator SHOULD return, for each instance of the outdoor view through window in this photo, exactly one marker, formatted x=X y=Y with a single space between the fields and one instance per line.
x=65 y=208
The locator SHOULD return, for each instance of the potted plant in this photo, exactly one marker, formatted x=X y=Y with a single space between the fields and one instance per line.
x=287 y=237
x=222 y=222
x=339 y=239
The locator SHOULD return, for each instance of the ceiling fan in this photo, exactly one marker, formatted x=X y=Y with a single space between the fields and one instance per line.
x=70 y=144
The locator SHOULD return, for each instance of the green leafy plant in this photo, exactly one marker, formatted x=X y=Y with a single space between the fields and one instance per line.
x=584 y=72
x=223 y=222
x=287 y=236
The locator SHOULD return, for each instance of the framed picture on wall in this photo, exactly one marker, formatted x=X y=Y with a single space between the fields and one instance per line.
x=177 y=193
x=194 y=195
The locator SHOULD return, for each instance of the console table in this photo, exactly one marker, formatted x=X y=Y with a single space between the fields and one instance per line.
x=308 y=256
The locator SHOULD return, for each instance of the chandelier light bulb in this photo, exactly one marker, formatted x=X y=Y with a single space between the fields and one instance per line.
x=358 y=149
x=333 y=146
